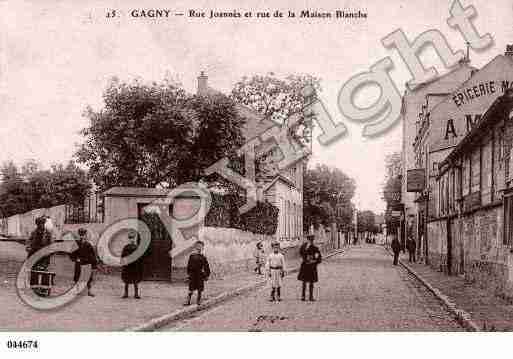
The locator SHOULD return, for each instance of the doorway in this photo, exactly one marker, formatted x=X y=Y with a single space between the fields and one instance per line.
x=157 y=261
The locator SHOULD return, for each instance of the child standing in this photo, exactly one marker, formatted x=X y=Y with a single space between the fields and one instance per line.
x=259 y=257
x=276 y=271
x=198 y=271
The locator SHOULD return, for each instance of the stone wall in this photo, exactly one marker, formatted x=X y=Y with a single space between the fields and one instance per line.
x=477 y=249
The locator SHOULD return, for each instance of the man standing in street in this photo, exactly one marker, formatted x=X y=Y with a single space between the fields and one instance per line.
x=311 y=256
x=82 y=256
x=396 y=248
x=411 y=246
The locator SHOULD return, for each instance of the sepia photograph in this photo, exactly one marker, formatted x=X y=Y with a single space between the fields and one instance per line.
x=234 y=170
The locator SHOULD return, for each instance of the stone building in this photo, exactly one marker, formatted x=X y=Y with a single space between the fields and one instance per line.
x=443 y=125
x=473 y=231
x=416 y=105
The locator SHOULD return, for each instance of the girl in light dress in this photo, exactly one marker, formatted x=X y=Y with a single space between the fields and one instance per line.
x=275 y=267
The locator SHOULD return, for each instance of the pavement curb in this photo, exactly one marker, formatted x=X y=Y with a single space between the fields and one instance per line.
x=179 y=314
x=464 y=318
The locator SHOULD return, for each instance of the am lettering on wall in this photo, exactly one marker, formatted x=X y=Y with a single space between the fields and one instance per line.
x=454 y=117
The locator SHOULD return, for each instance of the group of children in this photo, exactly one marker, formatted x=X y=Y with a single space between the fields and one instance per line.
x=198 y=269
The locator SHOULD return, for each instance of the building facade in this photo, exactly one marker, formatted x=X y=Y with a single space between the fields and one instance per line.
x=417 y=104
x=462 y=144
x=473 y=232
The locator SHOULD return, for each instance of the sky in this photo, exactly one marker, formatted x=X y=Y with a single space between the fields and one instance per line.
x=56 y=58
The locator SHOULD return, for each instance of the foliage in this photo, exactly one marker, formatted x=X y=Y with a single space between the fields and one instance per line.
x=277 y=99
x=157 y=135
x=367 y=221
x=224 y=212
x=32 y=187
x=393 y=182
x=157 y=228
x=327 y=197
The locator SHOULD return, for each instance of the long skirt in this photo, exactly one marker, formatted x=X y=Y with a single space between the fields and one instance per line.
x=276 y=278
x=308 y=273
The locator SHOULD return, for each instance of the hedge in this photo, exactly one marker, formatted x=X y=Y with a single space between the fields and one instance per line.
x=224 y=212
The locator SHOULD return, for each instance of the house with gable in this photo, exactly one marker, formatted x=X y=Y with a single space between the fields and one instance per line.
x=282 y=188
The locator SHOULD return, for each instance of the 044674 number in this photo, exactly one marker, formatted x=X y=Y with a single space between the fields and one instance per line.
x=22 y=344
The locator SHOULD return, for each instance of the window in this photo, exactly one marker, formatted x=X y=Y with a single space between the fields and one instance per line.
x=475 y=181
x=508 y=220
x=498 y=170
x=465 y=173
x=486 y=173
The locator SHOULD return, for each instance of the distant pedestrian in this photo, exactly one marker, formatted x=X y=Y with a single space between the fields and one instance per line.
x=411 y=246
x=259 y=255
x=132 y=273
x=198 y=270
x=396 y=248
x=82 y=256
x=276 y=271
x=311 y=256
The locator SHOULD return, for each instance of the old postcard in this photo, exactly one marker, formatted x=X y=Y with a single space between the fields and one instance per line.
x=256 y=166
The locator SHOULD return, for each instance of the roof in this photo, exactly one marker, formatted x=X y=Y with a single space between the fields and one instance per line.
x=255 y=124
x=278 y=177
x=420 y=86
x=493 y=62
x=136 y=192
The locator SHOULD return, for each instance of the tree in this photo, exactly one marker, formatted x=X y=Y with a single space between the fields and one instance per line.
x=157 y=135
x=392 y=185
x=366 y=221
x=277 y=99
x=32 y=187
x=12 y=190
x=327 y=197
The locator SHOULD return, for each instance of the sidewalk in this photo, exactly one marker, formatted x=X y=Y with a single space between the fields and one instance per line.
x=107 y=311
x=488 y=311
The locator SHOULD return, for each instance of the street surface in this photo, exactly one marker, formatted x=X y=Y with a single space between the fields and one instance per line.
x=359 y=290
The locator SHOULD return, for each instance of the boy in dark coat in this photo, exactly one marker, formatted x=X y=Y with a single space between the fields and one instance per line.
x=396 y=248
x=198 y=271
x=308 y=271
x=132 y=273
x=84 y=255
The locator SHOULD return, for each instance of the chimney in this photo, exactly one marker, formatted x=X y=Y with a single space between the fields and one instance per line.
x=202 y=84
x=509 y=50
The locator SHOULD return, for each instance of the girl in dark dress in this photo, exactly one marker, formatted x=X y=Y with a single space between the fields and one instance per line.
x=132 y=273
x=198 y=271
x=308 y=271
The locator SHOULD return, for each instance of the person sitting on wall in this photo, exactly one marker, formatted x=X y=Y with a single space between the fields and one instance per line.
x=311 y=256
x=84 y=255
x=39 y=238
x=198 y=271
x=132 y=273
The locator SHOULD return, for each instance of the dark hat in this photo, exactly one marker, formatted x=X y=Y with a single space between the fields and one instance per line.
x=40 y=220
